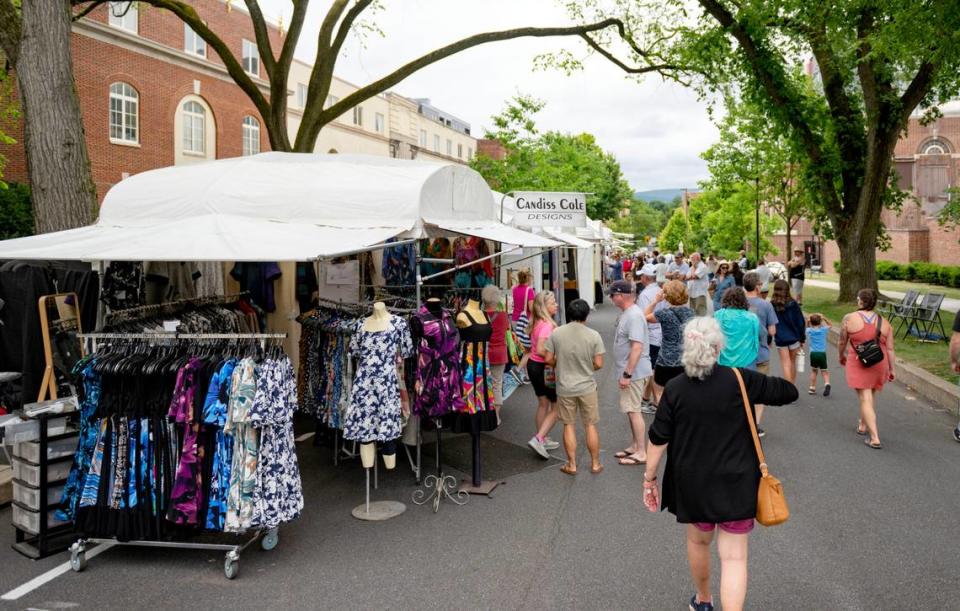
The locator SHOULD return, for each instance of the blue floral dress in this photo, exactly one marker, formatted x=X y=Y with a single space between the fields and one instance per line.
x=374 y=412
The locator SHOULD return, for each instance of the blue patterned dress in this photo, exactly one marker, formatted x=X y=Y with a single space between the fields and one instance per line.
x=374 y=412
x=87 y=445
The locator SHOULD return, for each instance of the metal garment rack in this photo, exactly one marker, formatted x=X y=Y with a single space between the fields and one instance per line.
x=231 y=563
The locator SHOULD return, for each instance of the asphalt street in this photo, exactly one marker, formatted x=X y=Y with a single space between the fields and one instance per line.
x=869 y=529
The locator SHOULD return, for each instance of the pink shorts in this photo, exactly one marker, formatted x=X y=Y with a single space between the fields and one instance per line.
x=737 y=527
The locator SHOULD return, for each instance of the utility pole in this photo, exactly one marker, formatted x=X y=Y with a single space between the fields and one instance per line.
x=757 y=247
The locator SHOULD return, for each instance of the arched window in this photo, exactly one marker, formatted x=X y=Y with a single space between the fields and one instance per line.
x=194 y=125
x=935 y=146
x=124 y=113
x=251 y=136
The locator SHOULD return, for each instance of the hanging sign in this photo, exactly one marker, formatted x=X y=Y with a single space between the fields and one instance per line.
x=550 y=209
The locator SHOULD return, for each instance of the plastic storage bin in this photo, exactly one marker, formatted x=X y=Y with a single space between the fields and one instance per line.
x=29 y=430
x=30 y=450
x=29 y=521
x=30 y=474
x=29 y=497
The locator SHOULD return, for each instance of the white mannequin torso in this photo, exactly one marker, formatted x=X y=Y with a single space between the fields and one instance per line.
x=473 y=307
x=379 y=320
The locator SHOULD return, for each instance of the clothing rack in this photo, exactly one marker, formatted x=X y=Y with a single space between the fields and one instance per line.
x=146 y=310
x=231 y=565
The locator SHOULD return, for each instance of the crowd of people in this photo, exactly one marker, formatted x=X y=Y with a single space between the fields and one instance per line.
x=685 y=323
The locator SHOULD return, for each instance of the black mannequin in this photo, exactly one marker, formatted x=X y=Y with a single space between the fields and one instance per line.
x=435 y=306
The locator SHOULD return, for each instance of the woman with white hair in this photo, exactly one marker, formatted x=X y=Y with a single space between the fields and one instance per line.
x=712 y=472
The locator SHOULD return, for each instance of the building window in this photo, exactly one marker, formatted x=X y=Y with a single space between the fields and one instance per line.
x=192 y=43
x=449 y=147
x=123 y=15
x=469 y=153
x=358 y=115
x=378 y=123
x=331 y=100
x=194 y=128
x=251 y=136
x=251 y=58
x=301 y=95
x=124 y=113
x=423 y=138
x=460 y=151
x=936 y=146
x=436 y=143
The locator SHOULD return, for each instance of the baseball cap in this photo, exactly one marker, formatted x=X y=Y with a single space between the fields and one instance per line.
x=649 y=270
x=623 y=287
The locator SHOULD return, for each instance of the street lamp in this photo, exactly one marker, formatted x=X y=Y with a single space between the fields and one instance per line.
x=757 y=185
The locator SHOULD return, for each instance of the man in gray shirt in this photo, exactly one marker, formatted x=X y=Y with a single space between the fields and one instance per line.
x=768 y=328
x=648 y=291
x=631 y=352
x=576 y=351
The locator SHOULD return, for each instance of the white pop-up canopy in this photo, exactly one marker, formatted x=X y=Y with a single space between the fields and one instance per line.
x=277 y=207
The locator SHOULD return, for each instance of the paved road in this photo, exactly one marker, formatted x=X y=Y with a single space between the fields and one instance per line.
x=950 y=305
x=870 y=530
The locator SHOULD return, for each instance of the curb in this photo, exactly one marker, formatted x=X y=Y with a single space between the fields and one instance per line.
x=936 y=390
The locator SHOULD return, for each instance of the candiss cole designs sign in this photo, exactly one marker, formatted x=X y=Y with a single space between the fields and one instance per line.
x=549 y=209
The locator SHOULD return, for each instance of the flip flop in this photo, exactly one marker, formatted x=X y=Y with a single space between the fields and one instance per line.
x=875 y=446
x=861 y=432
x=623 y=454
x=568 y=470
x=632 y=461
x=596 y=470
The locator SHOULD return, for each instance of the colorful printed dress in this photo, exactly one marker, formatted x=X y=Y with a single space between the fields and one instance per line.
x=374 y=412
x=215 y=417
x=88 y=440
x=241 y=513
x=185 y=498
x=477 y=379
x=438 y=386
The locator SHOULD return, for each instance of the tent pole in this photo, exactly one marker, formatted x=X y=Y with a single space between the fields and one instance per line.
x=419 y=283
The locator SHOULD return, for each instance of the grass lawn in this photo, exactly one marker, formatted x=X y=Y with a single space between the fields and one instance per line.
x=897 y=285
x=935 y=358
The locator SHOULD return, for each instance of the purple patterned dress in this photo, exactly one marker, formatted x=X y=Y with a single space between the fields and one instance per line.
x=185 y=498
x=439 y=380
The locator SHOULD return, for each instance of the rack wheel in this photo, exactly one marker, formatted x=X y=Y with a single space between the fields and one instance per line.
x=231 y=568
x=78 y=560
x=269 y=540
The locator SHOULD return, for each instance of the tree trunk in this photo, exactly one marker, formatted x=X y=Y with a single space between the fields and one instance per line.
x=62 y=188
x=858 y=263
x=789 y=252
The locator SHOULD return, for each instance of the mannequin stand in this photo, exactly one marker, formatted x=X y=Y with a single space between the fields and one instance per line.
x=444 y=486
x=380 y=510
x=478 y=485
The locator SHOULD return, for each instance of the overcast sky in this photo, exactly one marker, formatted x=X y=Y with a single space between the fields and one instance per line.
x=657 y=130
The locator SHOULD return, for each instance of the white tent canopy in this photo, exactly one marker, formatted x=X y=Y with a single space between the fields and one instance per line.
x=277 y=207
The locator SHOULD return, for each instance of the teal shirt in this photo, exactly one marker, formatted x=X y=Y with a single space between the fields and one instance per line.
x=742 y=331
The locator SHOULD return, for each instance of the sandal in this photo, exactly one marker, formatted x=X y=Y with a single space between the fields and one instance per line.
x=870 y=444
x=566 y=469
x=596 y=469
x=861 y=431
x=632 y=461
x=812 y=390
x=622 y=454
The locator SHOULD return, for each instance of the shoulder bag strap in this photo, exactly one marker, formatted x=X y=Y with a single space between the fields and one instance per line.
x=879 y=327
x=753 y=425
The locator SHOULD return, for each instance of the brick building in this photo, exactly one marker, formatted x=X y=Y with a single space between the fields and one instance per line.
x=152 y=94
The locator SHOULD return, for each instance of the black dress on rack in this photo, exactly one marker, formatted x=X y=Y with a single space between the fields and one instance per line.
x=478 y=412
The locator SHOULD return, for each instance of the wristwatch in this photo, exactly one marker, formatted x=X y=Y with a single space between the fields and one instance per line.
x=627 y=375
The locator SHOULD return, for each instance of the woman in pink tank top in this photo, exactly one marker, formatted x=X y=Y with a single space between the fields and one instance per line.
x=858 y=327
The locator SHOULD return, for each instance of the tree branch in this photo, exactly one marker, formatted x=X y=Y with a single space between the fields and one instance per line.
x=918 y=88
x=623 y=66
x=10 y=30
x=264 y=48
x=89 y=9
x=293 y=35
x=344 y=30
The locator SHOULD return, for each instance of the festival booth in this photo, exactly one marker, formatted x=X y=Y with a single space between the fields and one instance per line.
x=575 y=261
x=228 y=463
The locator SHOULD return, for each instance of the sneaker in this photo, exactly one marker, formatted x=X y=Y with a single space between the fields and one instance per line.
x=516 y=376
x=550 y=444
x=537 y=446
x=956 y=434
x=760 y=433
x=826 y=390
x=648 y=408
x=695 y=606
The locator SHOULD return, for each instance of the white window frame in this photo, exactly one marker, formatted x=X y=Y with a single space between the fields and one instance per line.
x=459 y=150
x=251 y=57
x=449 y=147
x=128 y=21
x=192 y=43
x=469 y=153
x=358 y=116
x=331 y=100
x=251 y=136
x=379 y=123
x=302 y=95
x=125 y=97
x=436 y=143
x=423 y=138
x=194 y=122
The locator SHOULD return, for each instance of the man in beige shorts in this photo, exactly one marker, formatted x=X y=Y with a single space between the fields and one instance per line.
x=576 y=351
x=631 y=353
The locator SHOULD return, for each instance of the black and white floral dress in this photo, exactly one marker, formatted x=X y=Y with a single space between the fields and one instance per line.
x=374 y=412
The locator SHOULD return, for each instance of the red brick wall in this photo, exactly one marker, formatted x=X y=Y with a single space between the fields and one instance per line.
x=492 y=149
x=161 y=85
x=944 y=244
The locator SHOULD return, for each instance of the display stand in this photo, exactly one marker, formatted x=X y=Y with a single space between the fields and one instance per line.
x=378 y=511
x=231 y=564
x=61 y=302
x=444 y=486
x=477 y=485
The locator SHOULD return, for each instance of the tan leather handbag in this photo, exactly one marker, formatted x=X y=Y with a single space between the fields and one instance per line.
x=771 y=503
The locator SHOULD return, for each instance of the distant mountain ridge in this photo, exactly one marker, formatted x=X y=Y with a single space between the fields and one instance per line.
x=664 y=195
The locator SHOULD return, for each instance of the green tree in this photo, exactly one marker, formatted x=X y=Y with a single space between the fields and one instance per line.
x=726 y=222
x=552 y=161
x=643 y=221
x=676 y=231
x=342 y=19
x=749 y=152
x=875 y=64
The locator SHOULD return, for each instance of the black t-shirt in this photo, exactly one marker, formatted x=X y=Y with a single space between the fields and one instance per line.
x=796 y=273
x=956 y=323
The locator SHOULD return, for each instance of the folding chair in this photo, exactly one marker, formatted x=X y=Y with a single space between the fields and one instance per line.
x=891 y=310
x=925 y=318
